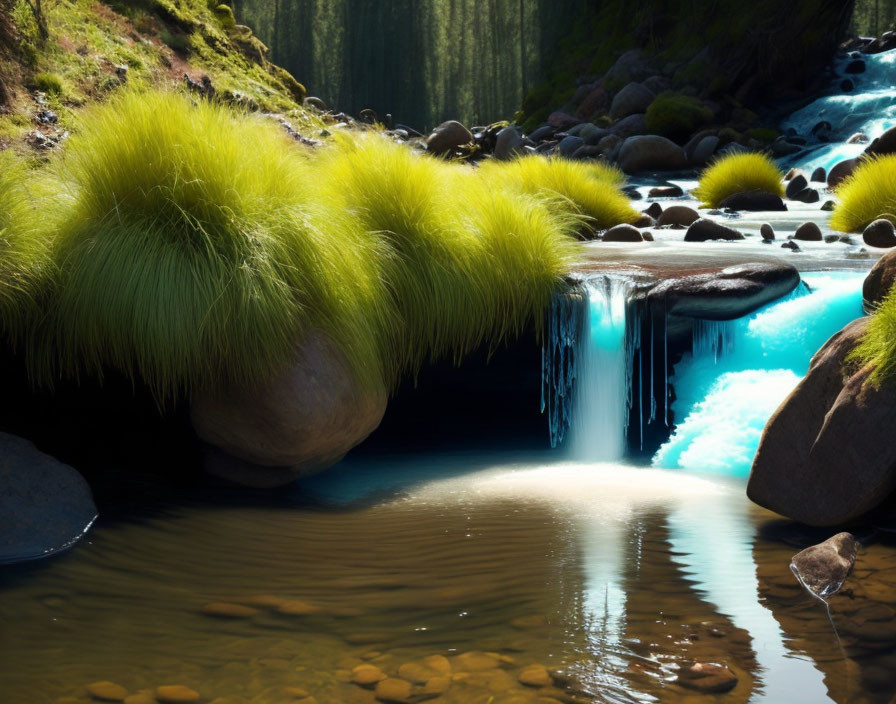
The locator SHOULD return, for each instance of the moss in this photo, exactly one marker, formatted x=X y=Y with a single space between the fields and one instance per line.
x=48 y=83
x=676 y=116
x=225 y=16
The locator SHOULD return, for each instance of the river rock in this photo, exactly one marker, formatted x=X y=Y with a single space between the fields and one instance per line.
x=535 y=676
x=767 y=232
x=542 y=133
x=562 y=120
x=623 y=233
x=858 y=138
x=808 y=232
x=447 y=137
x=367 y=675
x=885 y=144
x=795 y=185
x=704 y=150
x=753 y=201
x=678 y=215
x=880 y=233
x=45 y=506
x=650 y=153
x=855 y=66
x=819 y=175
x=508 y=143
x=609 y=145
x=879 y=281
x=630 y=66
x=569 y=145
x=107 y=691
x=708 y=678
x=632 y=99
x=725 y=294
x=807 y=195
x=394 y=690
x=841 y=170
x=665 y=192
x=823 y=459
x=302 y=421
x=654 y=210
x=704 y=229
x=631 y=126
x=823 y=568
x=176 y=694
x=590 y=133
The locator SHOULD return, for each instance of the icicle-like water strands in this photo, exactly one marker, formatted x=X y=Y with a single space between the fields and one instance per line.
x=558 y=361
x=713 y=338
x=603 y=395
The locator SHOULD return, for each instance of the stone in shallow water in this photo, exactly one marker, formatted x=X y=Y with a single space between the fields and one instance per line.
x=393 y=690
x=45 y=506
x=754 y=201
x=767 y=231
x=707 y=677
x=367 y=675
x=823 y=568
x=808 y=232
x=880 y=233
x=437 y=685
x=176 y=694
x=678 y=215
x=535 y=676
x=476 y=661
x=654 y=210
x=623 y=233
x=703 y=230
x=107 y=691
x=795 y=185
x=223 y=609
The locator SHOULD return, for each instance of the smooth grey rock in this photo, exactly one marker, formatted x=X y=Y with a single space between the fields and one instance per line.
x=508 y=143
x=654 y=210
x=542 y=133
x=808 y=232
x=632 y=99
x=807 y=195
x=630 y=126
x=569 y=145
x=650 y=153
x=665 y=192
x=704 y=229
x=841 y=170
x=704 y=150
x=45 y=505
x=447 y=137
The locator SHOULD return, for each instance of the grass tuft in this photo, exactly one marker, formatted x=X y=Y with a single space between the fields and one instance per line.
x=867 y=194
x=878 y=346
x=590 y=189
x=739 y=173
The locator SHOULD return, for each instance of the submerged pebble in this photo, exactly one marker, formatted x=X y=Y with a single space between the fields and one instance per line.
x=107 y=691
x=176 y=694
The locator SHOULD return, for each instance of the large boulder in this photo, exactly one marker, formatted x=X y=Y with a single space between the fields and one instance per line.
x=879 y=281
x=885 y=144
x=634 y=98
x=300 y=422
x=731 y=293
x=824 y=458
x=650 y=152
x=45 y=506
x=823 y=568
x=447 y=137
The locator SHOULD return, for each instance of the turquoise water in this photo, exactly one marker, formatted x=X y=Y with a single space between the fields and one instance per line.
x=741 y=371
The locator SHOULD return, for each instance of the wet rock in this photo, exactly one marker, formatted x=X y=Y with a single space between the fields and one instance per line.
x=830 y=239
x=790 y=244
x=767 y=232
x=808 y=232
x=879 y=281
x=819 y=175
x=590 y=133
x=609 y=144
x=650 y=153
x=437 y=686
x=795 y=185
x=45 y=506
x=145 y=697
x=821 y=459
x=569 y=145
x=300 y=422
x=678 y=215
x=847 y=86
x=708 y=678
x=885 y=144
x=631 y=126
x=622 y=233
x=841 y=170
x=792 y=173
x=828 y=206
x=665 y=192
x=704 y=150
x=822 y=131
x=367 y=675
x=858 y=138
x=855 y=66
x=654 y=210
x=535 y=676
x=644 y=221
x=725 y=294
x=632 y=192
x=107 y=691
x=880 y=233
x=297 y=607
x=632 y=99
x=394 y=690
x=476 y=661
x=222 y=609
x=447 y=137
x=416 y=673
x=562 y=120
x=823 y=568
x=703 y=230
x=176 y=694
x=439 y=663
x=508 y=143
x=807 y=195
x=753 y=201
x=542 y=133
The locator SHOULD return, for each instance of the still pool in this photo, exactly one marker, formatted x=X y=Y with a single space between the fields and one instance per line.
x=608 y=575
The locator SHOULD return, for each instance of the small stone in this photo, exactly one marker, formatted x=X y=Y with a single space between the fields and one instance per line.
x=703 y=229
x=437 y=685
x=415 y=673
x=855 y=66
x=830 y=239
x=665 y=192
x=793 y=173
x=795 y=185
x=707 y=678
x=678 y=215
x=144 y=697
x=623 y=233
x=107 y=691
x=393 y=690
x=221 y=609
x=296 y=607
x=535 y=676
x=858 y=138
x=448 y=136
x=439 y=663
x=808 y=232
x=476 y=661
x=790 y=244
x=767 y=231
x=807 y=195
x=367 y=675
x=654 y=210
x=880 y=233
x=828 y=206
x=823 y=568
x=819 y=175
x=841 y=170
x=176 y=694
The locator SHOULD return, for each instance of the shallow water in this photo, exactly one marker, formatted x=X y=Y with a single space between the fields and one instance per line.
x=608 y=574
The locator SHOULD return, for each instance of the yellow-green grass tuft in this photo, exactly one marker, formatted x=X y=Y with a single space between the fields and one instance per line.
x=867 y=194
x=739 y=173
x=878 y=346
x=590 y=189
x=469 y=261
x=192 y=254
x=27 y=215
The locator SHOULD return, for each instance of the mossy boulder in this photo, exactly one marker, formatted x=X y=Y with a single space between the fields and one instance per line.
x=225 y=16
x=676 y=116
